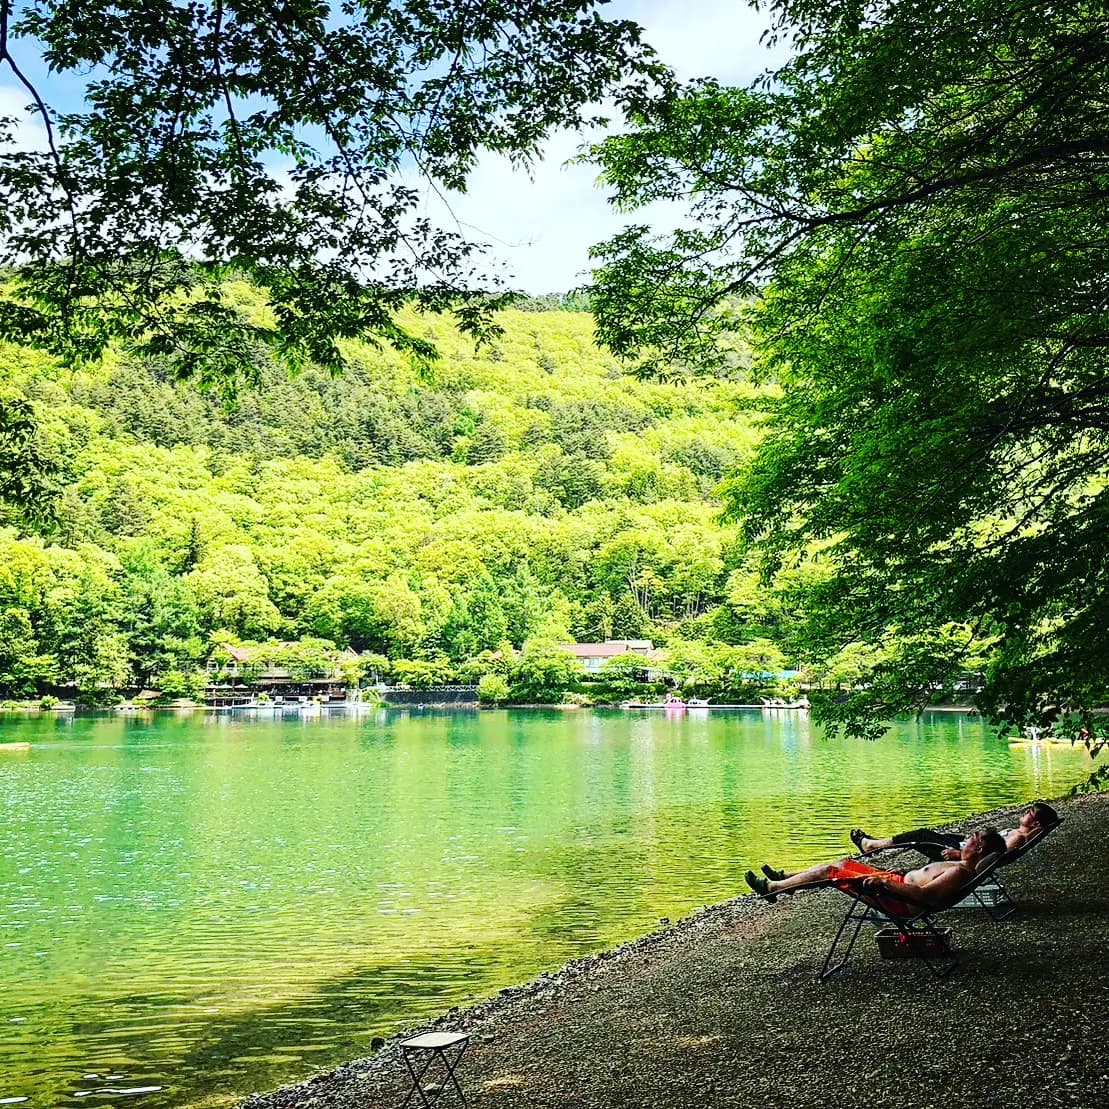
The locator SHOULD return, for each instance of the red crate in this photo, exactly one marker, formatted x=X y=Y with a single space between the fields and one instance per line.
x=893 y=944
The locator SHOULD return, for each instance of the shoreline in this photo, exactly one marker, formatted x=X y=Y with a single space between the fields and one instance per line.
x=681 y=1012
x=33 y=709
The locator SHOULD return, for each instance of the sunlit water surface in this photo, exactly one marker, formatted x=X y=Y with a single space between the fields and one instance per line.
x=198 y=906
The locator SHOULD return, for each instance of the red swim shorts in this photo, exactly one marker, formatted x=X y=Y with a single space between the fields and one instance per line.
x=850 y=868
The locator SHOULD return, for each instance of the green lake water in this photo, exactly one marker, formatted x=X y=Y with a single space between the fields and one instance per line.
x=198 y=906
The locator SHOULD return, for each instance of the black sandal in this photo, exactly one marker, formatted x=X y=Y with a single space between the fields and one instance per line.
x=760 y=886
x=773 y=873
x=857 y=836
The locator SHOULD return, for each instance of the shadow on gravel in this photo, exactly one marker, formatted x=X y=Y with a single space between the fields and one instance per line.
x=1063 y=909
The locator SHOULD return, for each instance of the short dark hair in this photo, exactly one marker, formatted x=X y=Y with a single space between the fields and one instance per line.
x=1046 y=816
x=992 y=841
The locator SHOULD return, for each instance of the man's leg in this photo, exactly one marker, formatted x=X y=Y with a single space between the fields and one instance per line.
x=927 y=841
x=820 y=873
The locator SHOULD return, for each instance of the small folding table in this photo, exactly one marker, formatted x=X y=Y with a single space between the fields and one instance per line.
x=447 y=1046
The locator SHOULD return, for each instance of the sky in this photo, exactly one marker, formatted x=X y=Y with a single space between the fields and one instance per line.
x=540 y=225
x=542 y=228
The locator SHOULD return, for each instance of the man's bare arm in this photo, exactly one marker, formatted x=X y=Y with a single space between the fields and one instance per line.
x=924 y=893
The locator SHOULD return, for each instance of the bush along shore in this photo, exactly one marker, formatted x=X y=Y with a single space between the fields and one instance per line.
x=725 y=1008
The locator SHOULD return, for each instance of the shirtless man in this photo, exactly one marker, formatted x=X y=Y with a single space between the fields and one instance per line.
x=920 y=888
x=946 y=845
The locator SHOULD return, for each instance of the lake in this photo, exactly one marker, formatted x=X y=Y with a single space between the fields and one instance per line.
x=202 y=905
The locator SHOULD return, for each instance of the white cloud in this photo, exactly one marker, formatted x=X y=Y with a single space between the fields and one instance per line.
x=541 y=227
x=28 y=132
x=702 y=38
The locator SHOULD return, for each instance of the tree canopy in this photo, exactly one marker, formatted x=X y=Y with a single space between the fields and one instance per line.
x=281 y=142
x=916 y=208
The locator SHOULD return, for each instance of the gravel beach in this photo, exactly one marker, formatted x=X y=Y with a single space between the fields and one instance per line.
x=725 y=1008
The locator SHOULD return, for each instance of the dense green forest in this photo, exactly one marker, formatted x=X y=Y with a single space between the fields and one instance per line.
x=527 y=492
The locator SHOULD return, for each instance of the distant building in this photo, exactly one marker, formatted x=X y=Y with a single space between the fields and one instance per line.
x=238 y=671
x=593 y=656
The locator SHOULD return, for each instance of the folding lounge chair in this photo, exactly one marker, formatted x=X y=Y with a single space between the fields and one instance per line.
x=917 y=929
x=991 y=894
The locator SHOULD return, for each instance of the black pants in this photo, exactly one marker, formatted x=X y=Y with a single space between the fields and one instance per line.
x=929 y=842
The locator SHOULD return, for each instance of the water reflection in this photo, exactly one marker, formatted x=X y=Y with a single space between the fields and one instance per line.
x=210 y=904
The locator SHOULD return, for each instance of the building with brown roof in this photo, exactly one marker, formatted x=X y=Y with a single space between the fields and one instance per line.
x=593 y=656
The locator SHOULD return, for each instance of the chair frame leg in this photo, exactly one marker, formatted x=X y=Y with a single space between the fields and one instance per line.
x=941 y=963
x=418 y=1076
x=1004 y=908
x=858 y=913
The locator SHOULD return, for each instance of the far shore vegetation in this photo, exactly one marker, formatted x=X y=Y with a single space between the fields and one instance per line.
x=447 y=524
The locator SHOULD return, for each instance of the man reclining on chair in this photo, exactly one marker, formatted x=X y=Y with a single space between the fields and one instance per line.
x=900 y=893
x=947 y=845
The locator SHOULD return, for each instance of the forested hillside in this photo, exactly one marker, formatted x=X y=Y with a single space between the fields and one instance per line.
x=528 y=490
